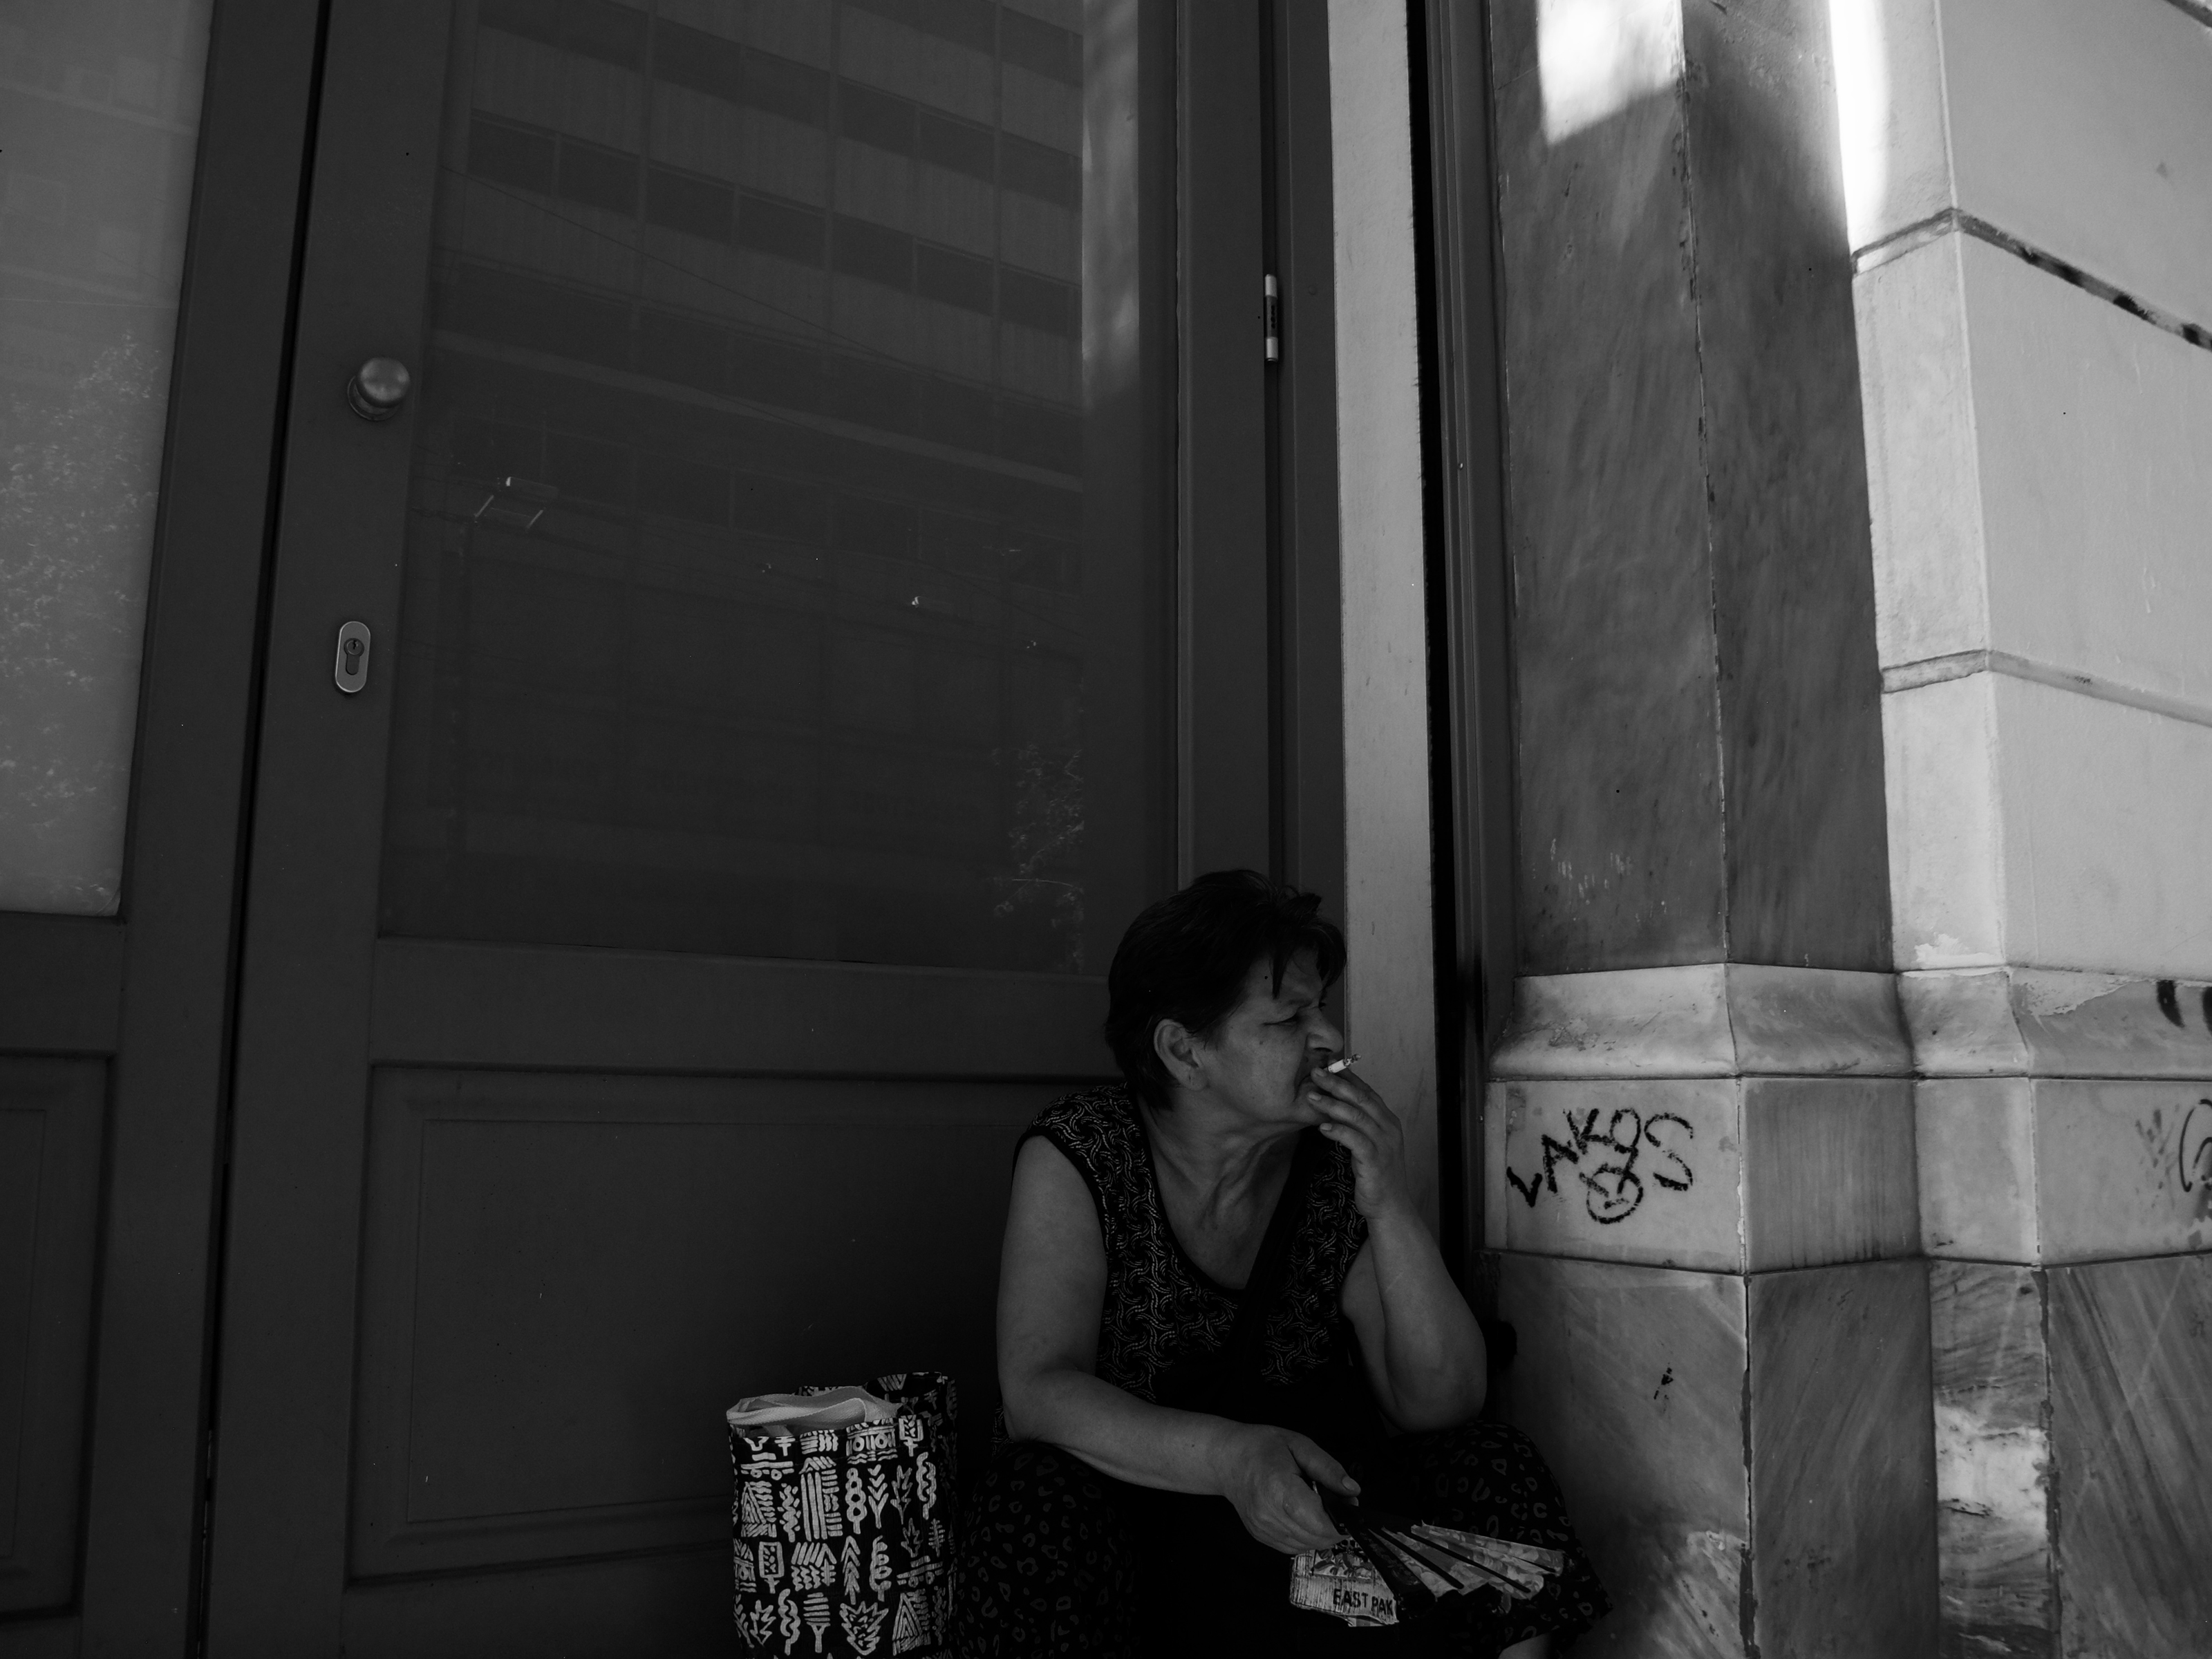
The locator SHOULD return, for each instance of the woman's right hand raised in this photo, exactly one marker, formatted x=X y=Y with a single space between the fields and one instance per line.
x=1264 y=1473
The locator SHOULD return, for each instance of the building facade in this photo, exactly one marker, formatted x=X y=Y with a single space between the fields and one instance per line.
x=1845 y=1154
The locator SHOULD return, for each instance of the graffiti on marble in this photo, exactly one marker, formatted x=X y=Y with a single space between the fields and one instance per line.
x=1612 y=1185
x=2169 y=1003
x=2192 y=1155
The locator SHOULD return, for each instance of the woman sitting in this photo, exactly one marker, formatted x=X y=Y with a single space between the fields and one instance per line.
x=1216 y=1296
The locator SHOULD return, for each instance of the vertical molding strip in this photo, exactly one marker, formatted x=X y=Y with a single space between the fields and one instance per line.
x=1388 y=887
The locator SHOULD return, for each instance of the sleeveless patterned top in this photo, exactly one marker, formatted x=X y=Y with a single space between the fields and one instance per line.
x=1161 y=1309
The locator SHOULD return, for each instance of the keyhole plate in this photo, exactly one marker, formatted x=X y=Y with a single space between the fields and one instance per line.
x=351 y=670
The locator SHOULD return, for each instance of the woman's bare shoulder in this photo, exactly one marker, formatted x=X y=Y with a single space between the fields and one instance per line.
x=1048 y=1187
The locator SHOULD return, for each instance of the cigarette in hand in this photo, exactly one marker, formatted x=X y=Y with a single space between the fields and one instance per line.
x=1334 y=1067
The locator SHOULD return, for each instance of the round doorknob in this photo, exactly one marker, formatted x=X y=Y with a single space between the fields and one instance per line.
x=378 y=388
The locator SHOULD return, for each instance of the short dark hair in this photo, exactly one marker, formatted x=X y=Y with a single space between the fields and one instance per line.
x=1186 y=956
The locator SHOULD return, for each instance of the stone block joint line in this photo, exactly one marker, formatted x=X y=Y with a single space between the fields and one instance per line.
x=1898 y=243
x=1957 y=665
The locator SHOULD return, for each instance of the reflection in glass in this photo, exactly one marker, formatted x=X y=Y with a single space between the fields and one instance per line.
x=98 y=107
x=756 y=597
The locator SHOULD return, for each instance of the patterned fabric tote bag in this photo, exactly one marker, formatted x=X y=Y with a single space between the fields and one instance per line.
x=844 y=1531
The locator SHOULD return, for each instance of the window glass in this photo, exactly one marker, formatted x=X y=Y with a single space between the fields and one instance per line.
x=98 y=114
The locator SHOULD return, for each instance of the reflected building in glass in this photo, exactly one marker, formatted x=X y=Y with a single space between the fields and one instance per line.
x=745 y=603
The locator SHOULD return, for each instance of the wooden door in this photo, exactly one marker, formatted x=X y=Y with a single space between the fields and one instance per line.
x=781 y=585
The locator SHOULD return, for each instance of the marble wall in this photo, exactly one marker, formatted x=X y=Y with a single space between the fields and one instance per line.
x=1731 y=1174
x=2079 y=128
x=1848 y=1159
x=2063 y=1131
x=1747 y=1457
x=1631 y=1381
x=2131 y=1439
x=1842 y=1458
x=2035 y=333
x=1702 y=1202
x=2039 y=507
x=1692 y=597
x=1993 y=1460
x=1700 y=1180
x=2073 y=1425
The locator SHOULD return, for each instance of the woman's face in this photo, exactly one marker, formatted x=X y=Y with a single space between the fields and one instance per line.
x=1273 y=1039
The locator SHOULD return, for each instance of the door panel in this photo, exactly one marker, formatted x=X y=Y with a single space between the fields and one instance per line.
x=53 y=1115
x=671 y=1602
x=60 y=985
x=475 y=1004
x=770 y=729
x=564 y=1277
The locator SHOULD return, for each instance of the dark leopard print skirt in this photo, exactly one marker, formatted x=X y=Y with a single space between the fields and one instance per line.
x=1058 y=1559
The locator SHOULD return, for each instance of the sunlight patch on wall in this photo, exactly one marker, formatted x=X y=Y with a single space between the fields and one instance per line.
x=1595 y=58
x=1855 y=28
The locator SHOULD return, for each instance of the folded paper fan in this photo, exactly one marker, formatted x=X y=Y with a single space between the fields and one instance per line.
x=1390 y=1567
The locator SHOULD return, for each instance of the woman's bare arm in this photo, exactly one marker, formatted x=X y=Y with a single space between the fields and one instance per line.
x=1422 y=1349
x=1052 y=1287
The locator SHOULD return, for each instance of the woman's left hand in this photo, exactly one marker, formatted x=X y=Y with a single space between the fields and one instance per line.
x=1357 y=1119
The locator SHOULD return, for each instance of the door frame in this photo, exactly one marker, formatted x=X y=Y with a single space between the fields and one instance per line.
x=149 y=990
x=1259 y=619
x=152 y=991
x=1297 y=196
x=285 y=1431
x=1469 y=593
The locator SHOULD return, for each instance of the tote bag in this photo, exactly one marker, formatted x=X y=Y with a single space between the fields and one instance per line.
x=843 y=1536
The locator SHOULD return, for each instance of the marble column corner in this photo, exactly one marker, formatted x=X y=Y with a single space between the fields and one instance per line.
x=1842 y=1452
x=1630 y=1379
x=1705 y=1019
x=1994 y=1475
x=2130 y=1358
x=1748 y=1459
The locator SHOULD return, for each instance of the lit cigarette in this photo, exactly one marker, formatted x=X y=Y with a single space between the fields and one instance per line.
x=1334 y=1067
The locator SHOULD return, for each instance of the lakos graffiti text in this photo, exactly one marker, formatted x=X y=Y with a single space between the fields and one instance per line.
x=1612 y=1166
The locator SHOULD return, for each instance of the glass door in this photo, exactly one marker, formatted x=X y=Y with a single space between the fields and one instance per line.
x=765 y=597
